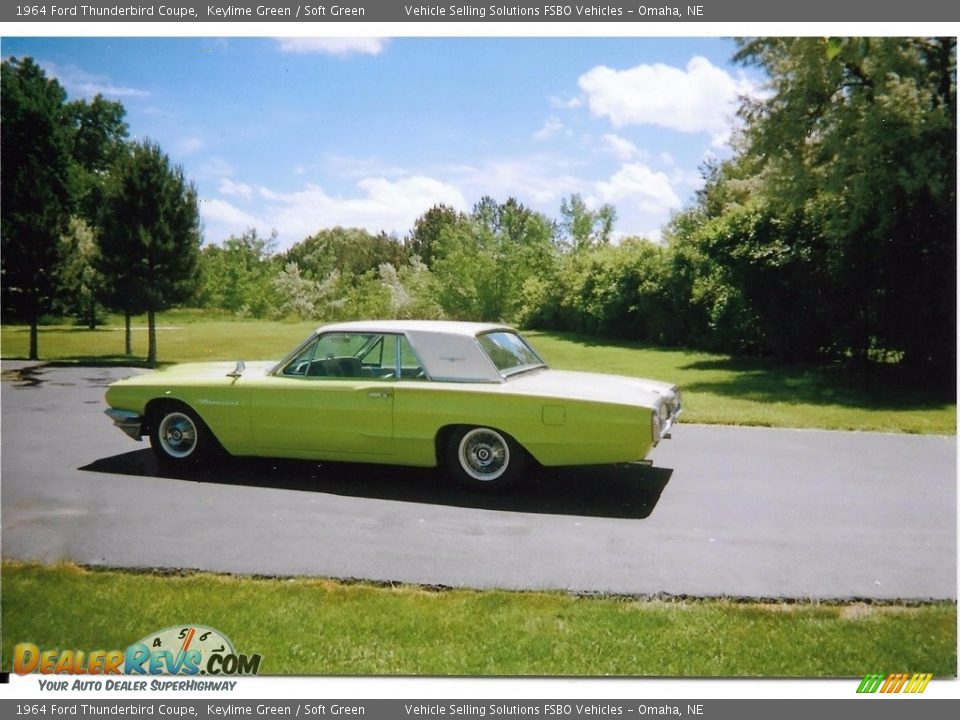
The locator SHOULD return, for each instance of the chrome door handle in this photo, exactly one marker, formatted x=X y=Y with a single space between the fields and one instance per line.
x=379 y=394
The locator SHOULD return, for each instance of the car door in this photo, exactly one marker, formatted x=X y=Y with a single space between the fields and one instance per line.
x=335 y=398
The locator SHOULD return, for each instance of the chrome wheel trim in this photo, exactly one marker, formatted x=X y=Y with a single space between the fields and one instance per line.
x=483 y=454
x=178 y=435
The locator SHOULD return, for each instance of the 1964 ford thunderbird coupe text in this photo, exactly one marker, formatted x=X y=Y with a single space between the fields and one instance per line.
x=473 y=398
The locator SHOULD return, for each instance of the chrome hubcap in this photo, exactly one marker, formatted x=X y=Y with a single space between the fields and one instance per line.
x=484 y=454
x=177 y=434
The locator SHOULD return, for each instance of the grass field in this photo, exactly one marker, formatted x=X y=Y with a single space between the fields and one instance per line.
x=304 y=626
x=717 y=388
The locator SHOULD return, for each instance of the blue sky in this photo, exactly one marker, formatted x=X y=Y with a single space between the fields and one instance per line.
x=299 y=134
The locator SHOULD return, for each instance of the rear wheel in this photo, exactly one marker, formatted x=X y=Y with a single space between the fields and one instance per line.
x=482 y=458
x=179 y=437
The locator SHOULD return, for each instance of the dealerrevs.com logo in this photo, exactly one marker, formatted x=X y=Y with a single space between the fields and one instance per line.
x=895 y=683
x=178 y=650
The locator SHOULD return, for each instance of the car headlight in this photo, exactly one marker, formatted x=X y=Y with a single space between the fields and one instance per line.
x=655 y=426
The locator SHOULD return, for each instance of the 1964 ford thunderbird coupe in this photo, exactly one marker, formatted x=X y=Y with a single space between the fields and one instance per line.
x=473 y=398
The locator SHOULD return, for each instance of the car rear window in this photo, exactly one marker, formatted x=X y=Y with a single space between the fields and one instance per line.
x=509 y=352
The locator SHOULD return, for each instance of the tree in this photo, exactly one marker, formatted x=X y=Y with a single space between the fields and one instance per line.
x=36 y=194
x=427 y=230
x=349 y=251
x=857 y=140
x=79 y=279
x=300 y=296
x=585 y=228
x=412 y=289
x=483 y=260
x=150 y=235
x=98 y=138
x=831 y=232
x=238 y=276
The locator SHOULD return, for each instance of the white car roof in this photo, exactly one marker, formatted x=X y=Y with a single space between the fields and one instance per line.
x=447 y=349
x=450 y=327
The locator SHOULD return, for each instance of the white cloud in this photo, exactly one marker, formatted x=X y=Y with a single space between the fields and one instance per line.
x=699 y=98
x=79 y=82
x=621 y=148
x=638 y=185
x=380 y=205
x=654 y=235
x=539 y=180
x=339 y=46
x=229 y=187
x=563 y=103
x=550 y=128
x=689 y=178
x=223 y=213
x=391 y=205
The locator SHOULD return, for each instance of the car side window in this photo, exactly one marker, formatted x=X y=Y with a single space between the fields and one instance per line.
x=379 y=359
x=410 y=366
x=380 y=356
x=332 y=355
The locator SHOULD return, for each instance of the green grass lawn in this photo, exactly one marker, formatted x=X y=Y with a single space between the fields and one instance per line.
x=717 y=388
x=181 y=336
x=305 y=626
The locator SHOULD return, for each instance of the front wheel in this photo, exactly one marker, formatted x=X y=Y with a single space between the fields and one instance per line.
x=178 y=437
x=482 y=458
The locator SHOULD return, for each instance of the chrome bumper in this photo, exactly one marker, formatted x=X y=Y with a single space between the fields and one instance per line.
x=665 y=415
x=130 y=422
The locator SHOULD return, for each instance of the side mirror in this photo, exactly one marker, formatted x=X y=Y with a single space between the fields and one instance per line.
x=237 y=370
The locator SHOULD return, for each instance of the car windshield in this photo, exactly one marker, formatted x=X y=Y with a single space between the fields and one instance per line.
x=509 y=352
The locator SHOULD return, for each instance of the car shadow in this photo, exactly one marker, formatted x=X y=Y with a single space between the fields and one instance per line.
x=614 y=491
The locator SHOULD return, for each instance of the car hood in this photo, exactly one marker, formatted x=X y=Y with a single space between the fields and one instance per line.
x=569 y=385
x=200 y=372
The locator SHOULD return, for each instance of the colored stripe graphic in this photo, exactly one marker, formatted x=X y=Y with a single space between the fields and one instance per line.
x=918 y=683
x=895 y=683
x=870 y=683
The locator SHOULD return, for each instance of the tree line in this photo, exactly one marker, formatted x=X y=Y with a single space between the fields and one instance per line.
x=88 y=216
x=828 y=235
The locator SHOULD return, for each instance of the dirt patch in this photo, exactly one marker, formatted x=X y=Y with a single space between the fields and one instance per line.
x=857 y=611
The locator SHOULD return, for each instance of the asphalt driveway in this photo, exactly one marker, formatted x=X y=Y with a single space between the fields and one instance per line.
x=744 y=512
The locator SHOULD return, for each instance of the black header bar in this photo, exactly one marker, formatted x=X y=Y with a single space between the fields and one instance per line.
x=320 y=12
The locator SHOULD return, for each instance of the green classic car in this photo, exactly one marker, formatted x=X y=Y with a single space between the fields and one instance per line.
x=473 y=398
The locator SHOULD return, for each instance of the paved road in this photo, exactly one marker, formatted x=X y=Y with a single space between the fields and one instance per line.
x=726 y=511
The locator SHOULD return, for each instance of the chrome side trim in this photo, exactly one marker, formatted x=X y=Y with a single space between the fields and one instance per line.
x=130 y=422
